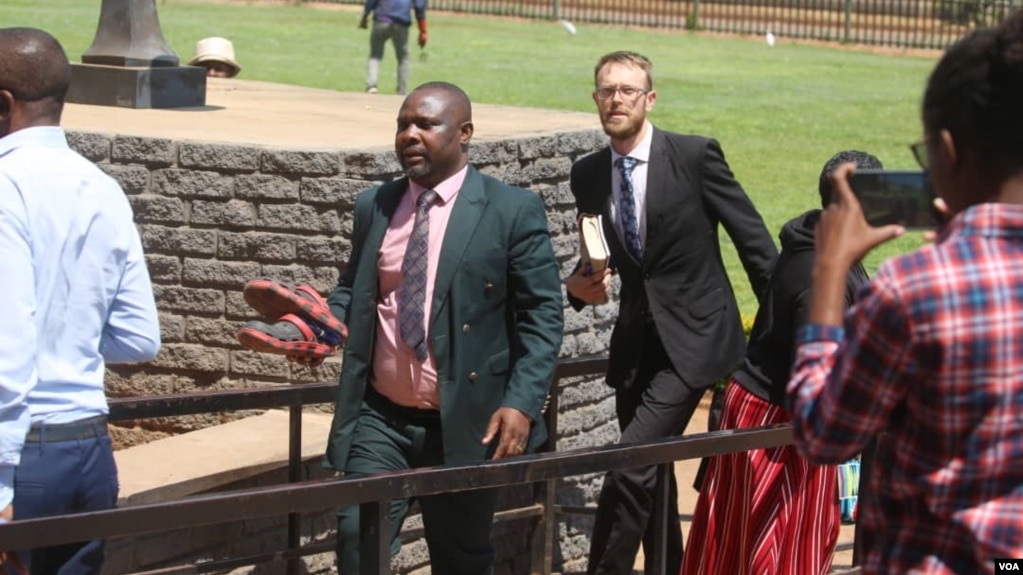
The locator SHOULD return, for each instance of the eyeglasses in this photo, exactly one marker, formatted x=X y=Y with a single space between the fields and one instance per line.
x=919 y=150
x=627 y=92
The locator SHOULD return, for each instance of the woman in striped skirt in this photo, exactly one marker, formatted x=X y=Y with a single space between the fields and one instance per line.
x=770 y=511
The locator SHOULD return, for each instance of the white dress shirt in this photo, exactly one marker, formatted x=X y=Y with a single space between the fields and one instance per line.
x=76 y=289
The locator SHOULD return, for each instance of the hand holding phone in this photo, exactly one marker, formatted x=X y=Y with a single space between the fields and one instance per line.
x=900 y=197
x=846 y=232
x=842 y=238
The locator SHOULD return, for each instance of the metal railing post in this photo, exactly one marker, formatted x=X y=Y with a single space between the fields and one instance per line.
x=541 y=544
x=662 y=496
x=294 y=476
x=374 y=538
x=556 y=9
x=541 y=540
x=848 y=21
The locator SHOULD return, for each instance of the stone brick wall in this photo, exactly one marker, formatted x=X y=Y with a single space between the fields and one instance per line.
x=213 y=216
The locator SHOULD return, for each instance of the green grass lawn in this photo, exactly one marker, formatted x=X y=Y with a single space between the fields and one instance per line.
x=779 y=112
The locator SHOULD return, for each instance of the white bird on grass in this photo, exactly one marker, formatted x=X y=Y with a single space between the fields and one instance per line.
x=769 y=37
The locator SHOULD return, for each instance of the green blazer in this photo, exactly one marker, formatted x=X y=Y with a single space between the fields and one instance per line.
x=495 y=323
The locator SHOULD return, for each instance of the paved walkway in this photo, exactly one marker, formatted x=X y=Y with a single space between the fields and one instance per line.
x=282 y=116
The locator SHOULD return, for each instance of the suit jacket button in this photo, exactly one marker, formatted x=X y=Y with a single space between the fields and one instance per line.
x=465 y=328
x=473 y=376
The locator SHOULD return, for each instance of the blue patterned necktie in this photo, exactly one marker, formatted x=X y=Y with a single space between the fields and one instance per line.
x=627 y=207
x=413 y=278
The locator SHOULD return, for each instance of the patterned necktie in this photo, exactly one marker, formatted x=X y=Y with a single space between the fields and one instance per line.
x=413 y=278
x=627 y=207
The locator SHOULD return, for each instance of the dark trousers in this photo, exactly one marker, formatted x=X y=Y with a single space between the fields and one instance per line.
x=657 y=405
x=60 y=477
x=456 y=525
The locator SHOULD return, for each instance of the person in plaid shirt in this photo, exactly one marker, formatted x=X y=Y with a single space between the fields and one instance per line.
x=932 y=353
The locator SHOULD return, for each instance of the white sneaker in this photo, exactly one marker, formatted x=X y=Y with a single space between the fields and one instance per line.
x=371 y=90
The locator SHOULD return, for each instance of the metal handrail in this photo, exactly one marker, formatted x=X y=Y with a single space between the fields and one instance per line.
x=144 y=407
x=372 y=493
x=305 y=496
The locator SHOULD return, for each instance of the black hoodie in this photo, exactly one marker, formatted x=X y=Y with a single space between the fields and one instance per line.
x=771 y=349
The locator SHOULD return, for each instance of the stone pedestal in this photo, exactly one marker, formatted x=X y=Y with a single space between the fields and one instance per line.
x=137 y=86
x=130 y=65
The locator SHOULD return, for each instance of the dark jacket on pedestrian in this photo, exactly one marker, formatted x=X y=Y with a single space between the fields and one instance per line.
x=771 y=349
x=395 y=11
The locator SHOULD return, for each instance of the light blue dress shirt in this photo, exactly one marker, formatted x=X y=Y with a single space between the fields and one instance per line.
x=76 y=291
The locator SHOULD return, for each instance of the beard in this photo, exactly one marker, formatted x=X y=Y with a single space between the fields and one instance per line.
x=620 y=128
x=421 y=169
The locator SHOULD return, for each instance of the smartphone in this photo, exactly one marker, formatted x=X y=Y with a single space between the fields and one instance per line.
x=902 y=197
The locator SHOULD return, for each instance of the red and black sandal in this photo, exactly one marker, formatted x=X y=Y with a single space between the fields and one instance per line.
x=290 y=335
x=273 y=299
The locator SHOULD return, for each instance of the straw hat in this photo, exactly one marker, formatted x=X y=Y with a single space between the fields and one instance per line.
x=216 y=49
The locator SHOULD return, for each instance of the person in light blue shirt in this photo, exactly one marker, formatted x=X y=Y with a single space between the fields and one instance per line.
x=77 y=296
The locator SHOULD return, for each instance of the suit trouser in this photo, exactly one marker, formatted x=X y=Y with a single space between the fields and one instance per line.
x=658 y=404
x=60 y=477
x=457 y=525
x=378 y=37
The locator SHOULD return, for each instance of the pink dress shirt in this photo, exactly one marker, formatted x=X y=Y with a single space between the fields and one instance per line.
x=397 y=373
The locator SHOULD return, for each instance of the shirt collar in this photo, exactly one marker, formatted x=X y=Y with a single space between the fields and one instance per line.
x=446 y=189
x=642 y=150
x=990 y=219
x=49 y=136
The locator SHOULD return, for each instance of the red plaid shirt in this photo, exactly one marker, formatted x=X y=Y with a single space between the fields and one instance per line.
x=934 y=359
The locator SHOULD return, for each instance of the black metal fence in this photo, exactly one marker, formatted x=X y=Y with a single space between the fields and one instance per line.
x=374 y=493
x=932 y=24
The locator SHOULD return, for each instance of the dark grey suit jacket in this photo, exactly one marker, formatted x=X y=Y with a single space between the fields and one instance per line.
x=681 y=284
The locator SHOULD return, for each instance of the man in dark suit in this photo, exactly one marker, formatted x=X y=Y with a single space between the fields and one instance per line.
x=454 y=308
x=662 y=197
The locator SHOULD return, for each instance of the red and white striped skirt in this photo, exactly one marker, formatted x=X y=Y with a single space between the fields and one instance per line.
x=762 y=512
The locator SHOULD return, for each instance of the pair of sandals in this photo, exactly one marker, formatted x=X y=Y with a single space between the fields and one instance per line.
x=300 y=323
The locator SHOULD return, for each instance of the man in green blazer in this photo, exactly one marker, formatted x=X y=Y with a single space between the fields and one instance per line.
x=454 y=308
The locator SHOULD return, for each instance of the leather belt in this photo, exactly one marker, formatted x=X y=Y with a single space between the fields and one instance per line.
x=81 y=429
x=408 y=415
